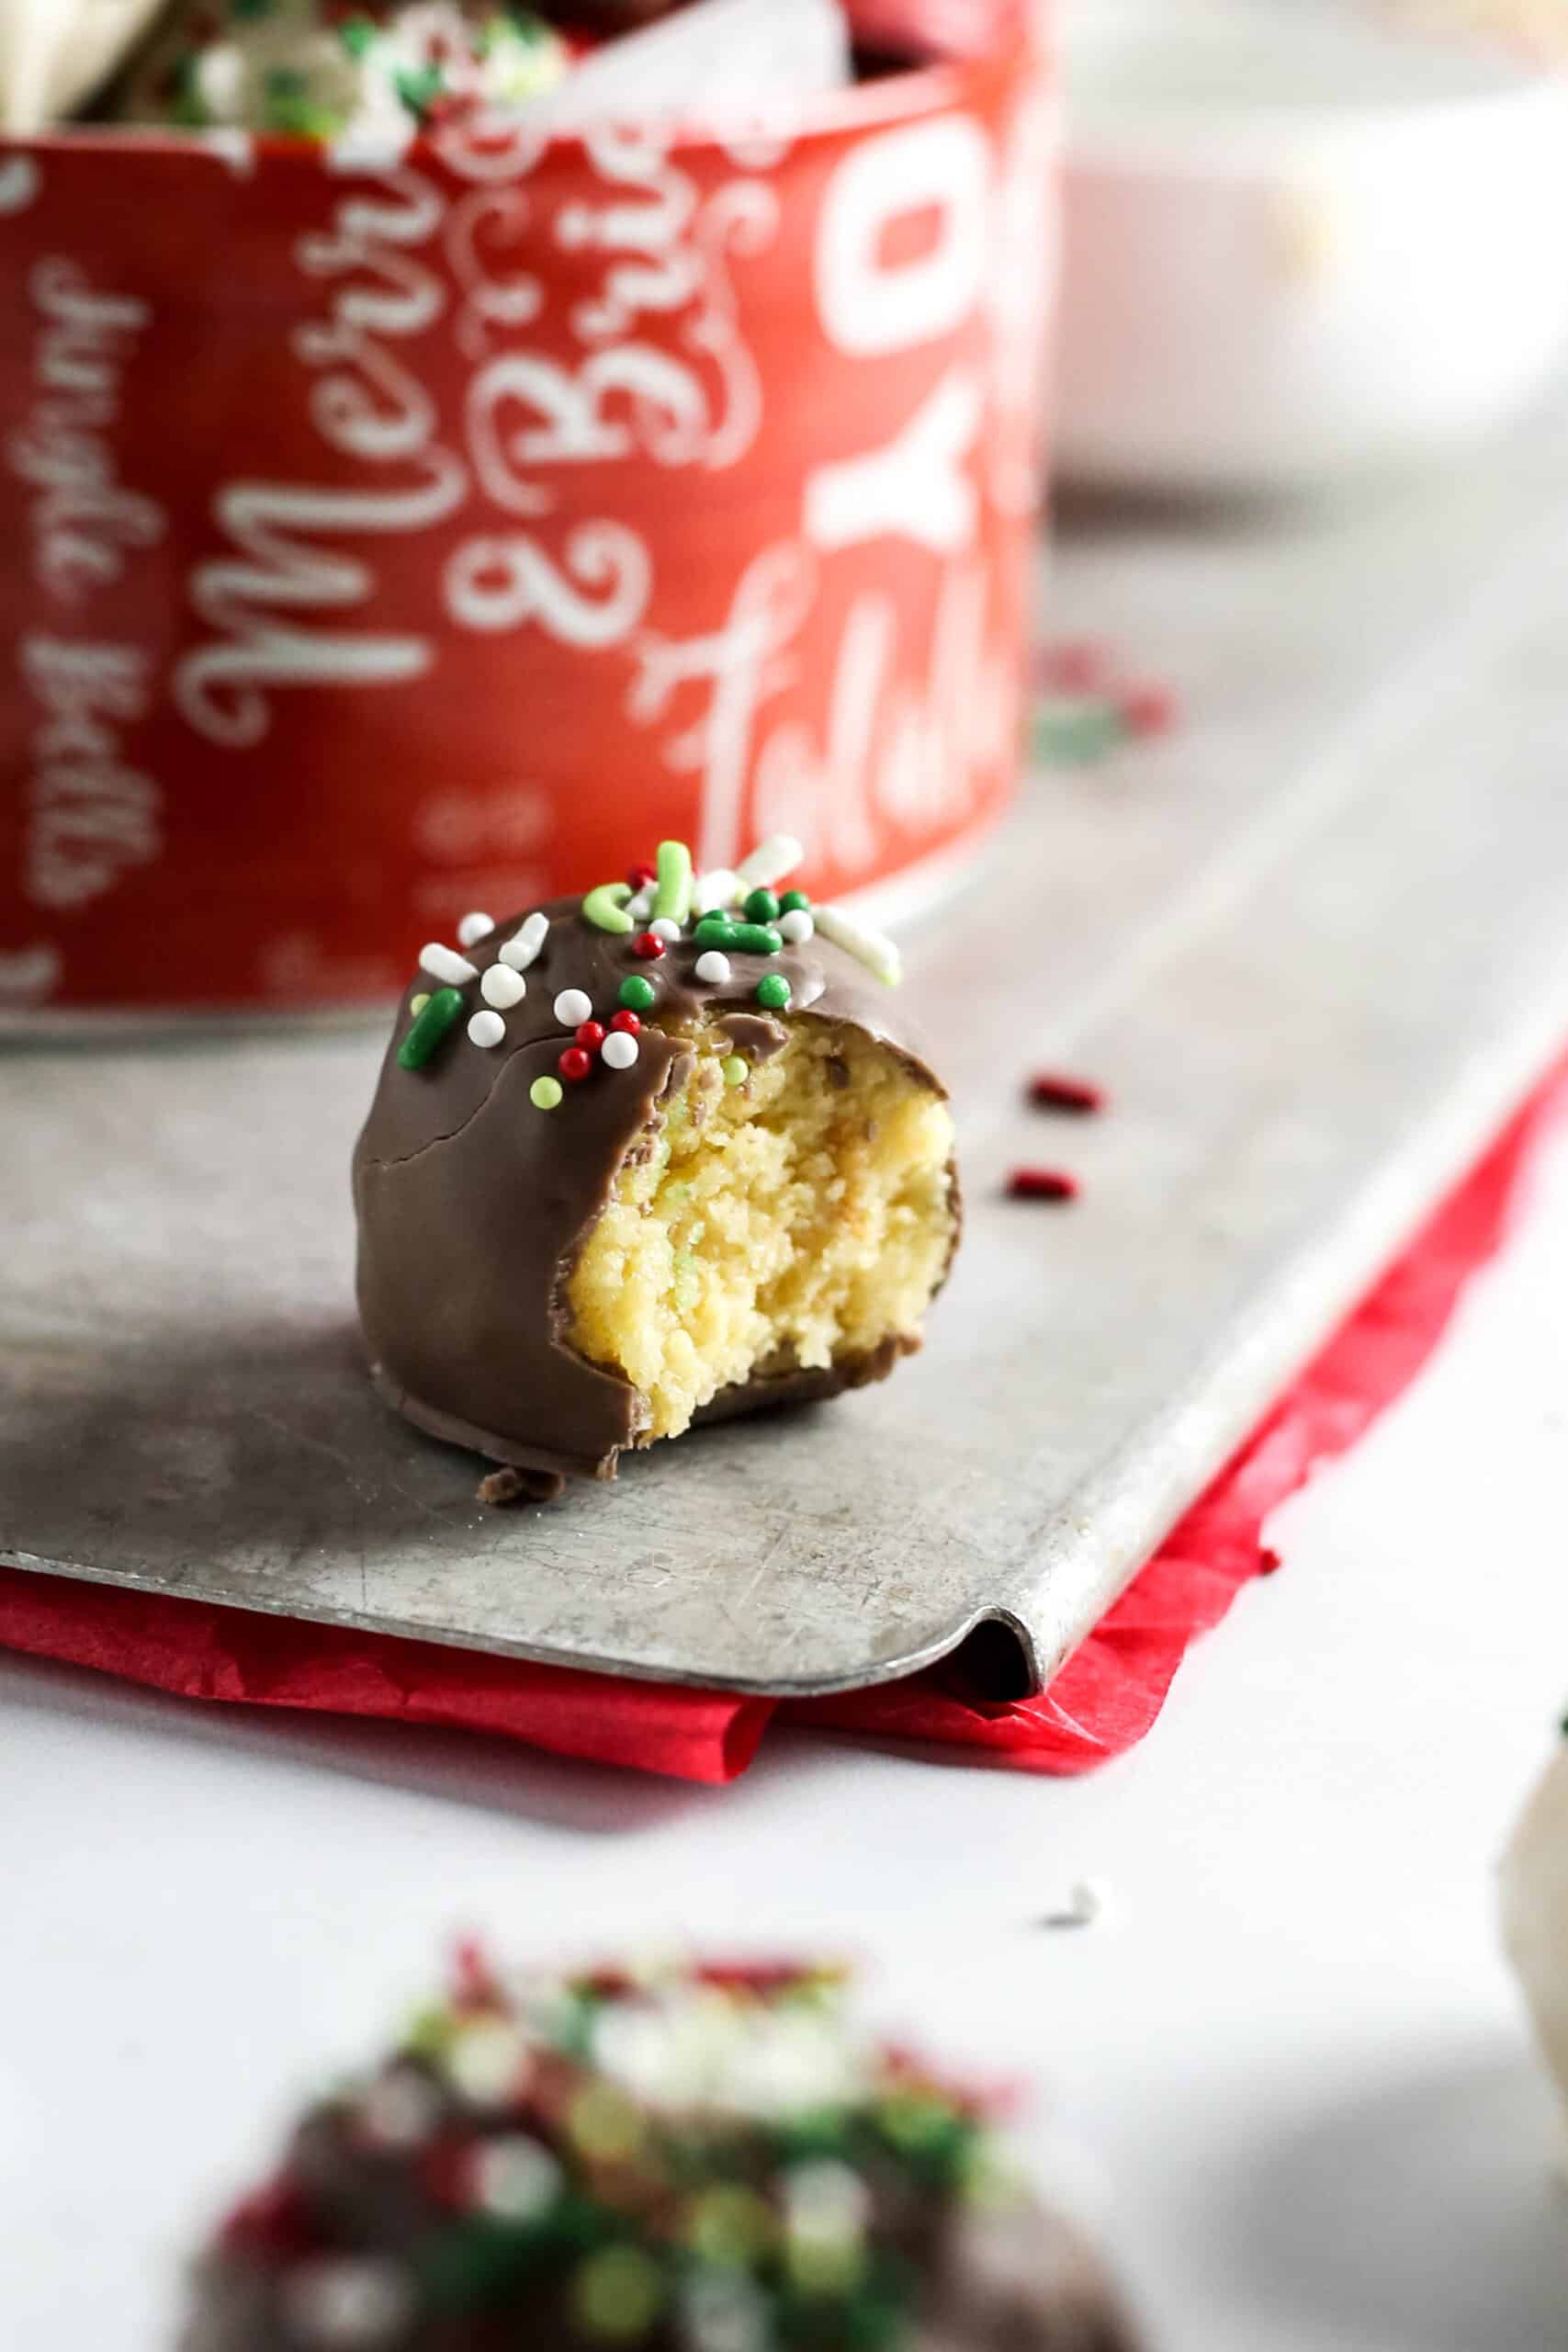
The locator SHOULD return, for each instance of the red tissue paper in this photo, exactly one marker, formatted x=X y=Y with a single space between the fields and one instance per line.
x=1101 y=1703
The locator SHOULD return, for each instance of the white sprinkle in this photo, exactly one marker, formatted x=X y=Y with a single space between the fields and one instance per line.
x=719 y=888
x=524 y=950
x=502 y=987
x=869 y=948
x=573 y=1007
x=724 y=2312
x=515 y=2179
x=825 y=2201
x=666 y=930
x=445 y=964
x=639 y=906
x=400 y=2109
x=796 y=926
x=348 y=2304
x=1088 y=1899
x=713 y=968
x=473 y=927
x=489 y=2063
x=487 y=1029
x=618 y=1051
x=769 y=862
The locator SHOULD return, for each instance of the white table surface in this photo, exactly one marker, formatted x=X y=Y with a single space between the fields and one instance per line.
x=1288 y=2065
x=1286 y=2075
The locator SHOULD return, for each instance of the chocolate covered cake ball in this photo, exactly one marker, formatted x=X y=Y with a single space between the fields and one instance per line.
x=1535 y=1912
x=710 y=2160
x=322 y=69
x=646 y=1159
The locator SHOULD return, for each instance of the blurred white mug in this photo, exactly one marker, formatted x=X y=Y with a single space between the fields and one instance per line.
x=1299 y=246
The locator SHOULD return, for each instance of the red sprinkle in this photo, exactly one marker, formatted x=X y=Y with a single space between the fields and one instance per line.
x=1269 y=1561
x=627 y=1023
x=1149 y=709
x=574 y=1064
x=274 y=2223
x=591 y=1037
x=1042 y=1184
x=1054 y=1091
x=647 y=943
x=642 y=877
x=1079 y=666
x=473 y=1979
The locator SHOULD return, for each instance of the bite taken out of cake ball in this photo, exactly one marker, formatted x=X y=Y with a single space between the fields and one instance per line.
x=330 y=69
x=657 y=1156
x=667 y=2160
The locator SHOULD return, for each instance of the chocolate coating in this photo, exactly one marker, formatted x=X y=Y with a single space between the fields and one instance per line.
x=473 y=1204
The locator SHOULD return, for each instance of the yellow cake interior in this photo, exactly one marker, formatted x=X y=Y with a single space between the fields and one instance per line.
x=800 y=1218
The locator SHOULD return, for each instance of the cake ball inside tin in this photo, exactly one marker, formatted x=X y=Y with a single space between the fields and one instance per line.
x=324 y=69
x=700 y=2159
x=657 y=1156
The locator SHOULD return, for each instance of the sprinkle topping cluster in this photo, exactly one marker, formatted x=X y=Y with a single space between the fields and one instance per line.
x=327 y=69
x=656 y=909
x=707 y=2159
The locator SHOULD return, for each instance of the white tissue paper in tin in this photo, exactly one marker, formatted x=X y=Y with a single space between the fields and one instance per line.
x=54 y=54
x=724 y=62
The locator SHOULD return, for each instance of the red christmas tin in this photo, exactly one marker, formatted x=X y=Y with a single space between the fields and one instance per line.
x=391 y=536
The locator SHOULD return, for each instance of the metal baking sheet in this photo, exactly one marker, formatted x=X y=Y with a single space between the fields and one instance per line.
x=1315 y=946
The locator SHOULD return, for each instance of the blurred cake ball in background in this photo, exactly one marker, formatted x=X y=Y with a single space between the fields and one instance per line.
x=704 y=2159
x=1535 y=1911
x=318 y=69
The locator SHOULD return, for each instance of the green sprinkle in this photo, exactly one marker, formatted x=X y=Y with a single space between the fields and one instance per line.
x=794 y=902
x=617 y=2292
x=436 y=1015
x=715 y=931
x=637 y=994
x=420 y=87
x=755 y=938
x=603 y=906
x=672 y=895
x=1074 y=734
x=773 y=991
x=546 y=1093
x=762 y=907
x=737 y=1070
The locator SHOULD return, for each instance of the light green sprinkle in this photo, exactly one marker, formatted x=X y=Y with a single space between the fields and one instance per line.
x=737 y=1070
x=603 y=906
x=617 y=2292
x=672 y=895
x=418 y=1004
x=546 y=1093
x=436 y=1017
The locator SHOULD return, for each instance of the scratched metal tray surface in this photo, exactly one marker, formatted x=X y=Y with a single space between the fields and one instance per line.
x=1315 y=947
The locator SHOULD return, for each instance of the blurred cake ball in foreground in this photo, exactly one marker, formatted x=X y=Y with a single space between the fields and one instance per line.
x=661 y=1154
x=701 y=2160
x=1535 y=1910
x=319 y=68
